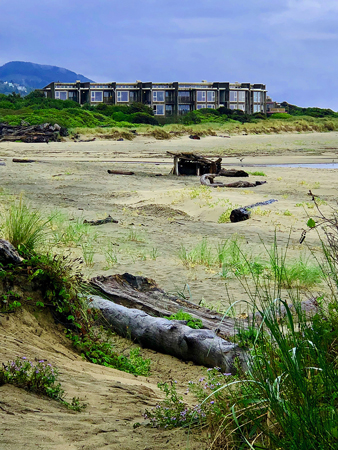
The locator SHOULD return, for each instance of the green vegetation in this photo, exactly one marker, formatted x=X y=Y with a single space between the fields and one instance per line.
x=232 y=260
x=257 y=173
x=106 y=119
x=62 y=288
x=39 y=378
x=191 y=322
x=286 y=399
x=22 y=226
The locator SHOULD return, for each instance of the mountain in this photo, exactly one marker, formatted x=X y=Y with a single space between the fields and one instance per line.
x=36 y=76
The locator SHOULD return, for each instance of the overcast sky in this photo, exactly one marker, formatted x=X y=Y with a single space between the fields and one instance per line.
x=289 y=45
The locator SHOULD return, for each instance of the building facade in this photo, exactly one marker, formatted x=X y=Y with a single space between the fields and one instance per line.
x=166 y=99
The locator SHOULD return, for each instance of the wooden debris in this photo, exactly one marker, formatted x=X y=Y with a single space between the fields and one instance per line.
x=232 y=173
x=31 y=133
x=208 y=179
x=240 y=214
x=136 y=306
x=143 y=293
x=19 y=160
x=172 y=337
x=188 y=163
x=108 y=219
x=120 y=172
x=194 y=136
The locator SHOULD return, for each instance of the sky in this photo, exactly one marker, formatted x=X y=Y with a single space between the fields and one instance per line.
x=289 y=45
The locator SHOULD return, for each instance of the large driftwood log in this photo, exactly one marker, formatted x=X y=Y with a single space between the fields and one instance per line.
x=171 y=337
x=143 y=294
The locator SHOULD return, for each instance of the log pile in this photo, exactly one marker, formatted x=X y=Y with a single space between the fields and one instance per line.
x=144 y=294
x=134 y=307
x=31 y=133
x=188 y=163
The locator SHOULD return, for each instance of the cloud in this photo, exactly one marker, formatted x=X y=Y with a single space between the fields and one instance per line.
x=288 y=44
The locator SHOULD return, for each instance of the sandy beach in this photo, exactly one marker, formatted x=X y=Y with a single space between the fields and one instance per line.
x=159 y=217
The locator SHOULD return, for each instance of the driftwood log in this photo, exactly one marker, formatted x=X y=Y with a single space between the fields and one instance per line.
x=240 y=214
x=232 y=173
x=171 y=337
x=108 y=219
x=120 y=172
x=208 y=179
x=144 y=294
x=20 y=160
x=136 y=307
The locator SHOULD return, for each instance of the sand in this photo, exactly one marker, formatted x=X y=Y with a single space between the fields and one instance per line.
x=157 y=217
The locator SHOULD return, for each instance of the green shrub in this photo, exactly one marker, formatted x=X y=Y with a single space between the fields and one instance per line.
x=23 y=227
x=191 y=321
x=39 y=378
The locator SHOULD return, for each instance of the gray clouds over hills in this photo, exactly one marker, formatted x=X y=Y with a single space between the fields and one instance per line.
x=288 y=44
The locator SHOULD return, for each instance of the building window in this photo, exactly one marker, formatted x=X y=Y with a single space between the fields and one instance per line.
x=183 y=96
x=132 y=96
x=183 y=109
x=233 y=107
x=211 y=106
x=61 y=95
x=241 y=107
x=211 y=96
x=96 y=96
x=201 y=96
x=123 y=96
x=257 y=97
x=72 y=95
x=257 y=108
x=201 y=106
x=158 y=96
x=169 y=96
x=233 y=96
x=159 y=110
x=241 y=96
x=168 y=110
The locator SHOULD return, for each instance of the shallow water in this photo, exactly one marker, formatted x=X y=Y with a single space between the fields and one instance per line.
x=306 y=166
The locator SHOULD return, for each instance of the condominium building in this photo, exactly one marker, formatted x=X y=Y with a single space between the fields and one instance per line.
x=166 y=99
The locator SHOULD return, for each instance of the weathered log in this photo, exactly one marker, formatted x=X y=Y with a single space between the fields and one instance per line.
x=8 y=254
x=240 y=214
x=244 y=184
x=208 y=179
x=171 y=337
x=120 y=172
x=108 y=219
x=19 y=160
x=143 y=293
x=233 y=173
